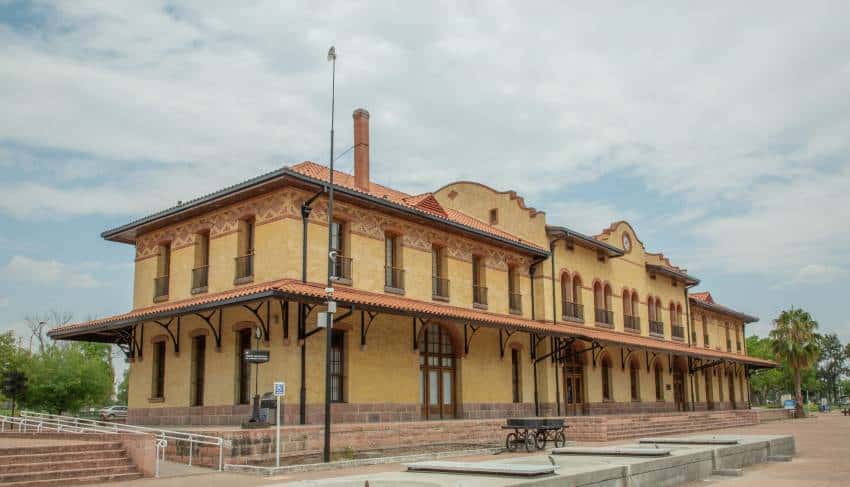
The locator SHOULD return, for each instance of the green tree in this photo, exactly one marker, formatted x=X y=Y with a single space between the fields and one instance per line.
x=795 y=342
x=832 y=364
x=64 y=378
x=123 y=388
x=764 y=383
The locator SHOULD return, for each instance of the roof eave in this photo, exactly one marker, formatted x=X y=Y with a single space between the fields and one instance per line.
x=586 y=241
x=680 y=276
x=723 y=309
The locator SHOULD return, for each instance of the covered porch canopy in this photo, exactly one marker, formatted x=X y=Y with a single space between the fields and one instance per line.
x=260 y=298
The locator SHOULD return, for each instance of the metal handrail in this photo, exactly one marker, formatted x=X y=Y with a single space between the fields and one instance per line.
x=72 y=424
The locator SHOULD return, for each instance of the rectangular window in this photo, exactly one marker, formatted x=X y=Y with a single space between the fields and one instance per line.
x=337 y=366
x=440 y=285
x=494 y=216
x=243 y=345
x=342 y=263
x=516 y=386
x=158 y=382
x=246 y=250
x=479 y=286
x=392 y=263
x=514 y=297
x=199 y=349
x=163 y=269
x=200 y=272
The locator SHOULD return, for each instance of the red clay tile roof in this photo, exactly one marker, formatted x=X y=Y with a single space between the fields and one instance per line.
x=703 y=296
x=706 y=301
x=420 y=202
x=386 y=302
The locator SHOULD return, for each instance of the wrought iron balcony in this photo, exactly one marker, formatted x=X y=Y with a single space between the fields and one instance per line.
x=631 y=323
x=677 y=332
x=440 y=287
x=245 y=267
x=160 y=287
x=605 y=316
x=573 y=311
x=515 y=303
x=479 y=295
x=394 y=277
x=342 y=268
x=656 y=328
x=200 y=278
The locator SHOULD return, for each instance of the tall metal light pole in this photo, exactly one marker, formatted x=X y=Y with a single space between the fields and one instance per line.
x=331 y=259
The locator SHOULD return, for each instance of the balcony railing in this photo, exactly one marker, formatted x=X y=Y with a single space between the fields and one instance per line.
x=515 y=303
x=394 y=277
x=656 y=328
x=605 y=316
x=631 y=323
x=479 y=295
x=573 y=311
x=160 y=287
x=245 y=267
x=678 y=332
x=200 y=278
x=440 y=287
x=342 y=268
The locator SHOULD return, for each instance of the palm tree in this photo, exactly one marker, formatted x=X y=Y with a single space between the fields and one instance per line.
x=795 y=342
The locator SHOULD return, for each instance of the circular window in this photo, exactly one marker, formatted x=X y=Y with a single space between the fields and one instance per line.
x=627 y=242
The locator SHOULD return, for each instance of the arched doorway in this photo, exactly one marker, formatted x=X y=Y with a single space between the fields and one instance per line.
x=679 y=384
x=437 y=374
x=573 y=385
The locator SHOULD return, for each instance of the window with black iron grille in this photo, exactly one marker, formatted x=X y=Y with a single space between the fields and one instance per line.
x=158 y=382
x=199 y=349
x=337 y=366
x=516 y=386
x=244 y=344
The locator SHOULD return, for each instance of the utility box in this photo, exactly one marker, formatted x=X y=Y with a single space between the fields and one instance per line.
x=268 y=407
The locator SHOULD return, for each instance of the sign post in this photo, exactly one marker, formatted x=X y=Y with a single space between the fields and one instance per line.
x=279 y=391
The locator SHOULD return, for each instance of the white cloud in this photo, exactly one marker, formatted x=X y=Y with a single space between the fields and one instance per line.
x=4 y=302
x=743 y=114
x=819 y=273
x=47 y=272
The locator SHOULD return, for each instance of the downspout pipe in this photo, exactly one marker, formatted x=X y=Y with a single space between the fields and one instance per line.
x=306 y=209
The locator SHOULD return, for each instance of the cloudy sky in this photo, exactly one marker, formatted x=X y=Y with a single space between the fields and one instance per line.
x=722 y=134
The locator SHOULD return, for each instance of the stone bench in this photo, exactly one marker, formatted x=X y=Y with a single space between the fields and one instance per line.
x=486 y=468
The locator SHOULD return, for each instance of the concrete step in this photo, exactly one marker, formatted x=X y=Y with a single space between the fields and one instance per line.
x=59 y=457
x=95 y=479
x=122 y=461
x=61 y=474
x=70 y=448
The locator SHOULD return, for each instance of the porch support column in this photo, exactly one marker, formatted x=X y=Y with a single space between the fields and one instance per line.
x=533 y=350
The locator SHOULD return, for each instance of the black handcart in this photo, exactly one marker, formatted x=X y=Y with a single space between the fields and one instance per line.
x=534 y=433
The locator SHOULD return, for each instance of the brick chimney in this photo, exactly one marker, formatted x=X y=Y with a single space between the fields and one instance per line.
x=361 y=149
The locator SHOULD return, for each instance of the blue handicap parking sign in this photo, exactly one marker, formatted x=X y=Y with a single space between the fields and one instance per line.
x=279 y=388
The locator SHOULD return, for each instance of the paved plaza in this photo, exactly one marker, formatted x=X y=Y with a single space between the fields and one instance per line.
x=822 y=442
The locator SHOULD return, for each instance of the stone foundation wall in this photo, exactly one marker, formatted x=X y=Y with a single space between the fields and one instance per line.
x=258 y=445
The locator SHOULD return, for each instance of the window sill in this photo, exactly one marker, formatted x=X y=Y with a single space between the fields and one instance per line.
x=445 y=299
x=156 y=399
x=243 y=280
x=199 y=290
x=678 y=339
x=632 y=330
x=656 y=335
x=516 y=312
x=393 y=290
x=574 y=319
x=160 y=299
x=479 y=306
x=343 y=280
x=604 y=325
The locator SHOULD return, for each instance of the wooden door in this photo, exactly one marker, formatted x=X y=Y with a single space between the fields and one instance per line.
x=437 y=375
x=574 y=390
x=679 y=389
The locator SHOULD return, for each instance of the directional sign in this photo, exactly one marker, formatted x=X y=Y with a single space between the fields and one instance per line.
x=256 y=356
x=280 y=389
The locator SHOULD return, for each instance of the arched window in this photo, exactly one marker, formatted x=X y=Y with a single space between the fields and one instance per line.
x=658 y=310
x=635 y=303
x=566 y=289
x=659 y=381
x=608 y=294
x=606 y=379
x=650 y=305
x=577 y=289
x=679 y=317
x=627 y=303
x=598 y=296
x=634 y=379
x=673 y=314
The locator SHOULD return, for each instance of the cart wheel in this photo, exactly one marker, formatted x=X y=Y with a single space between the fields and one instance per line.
x=530 y=441
x=560 y=439
x=511 y=442
x=540 y=440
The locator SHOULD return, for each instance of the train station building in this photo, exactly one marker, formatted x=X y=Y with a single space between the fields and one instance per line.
x=461 y=303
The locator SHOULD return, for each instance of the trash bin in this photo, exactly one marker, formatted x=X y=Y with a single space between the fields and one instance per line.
x=268 y=407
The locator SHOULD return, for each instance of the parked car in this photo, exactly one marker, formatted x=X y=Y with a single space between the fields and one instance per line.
x=113 y=412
